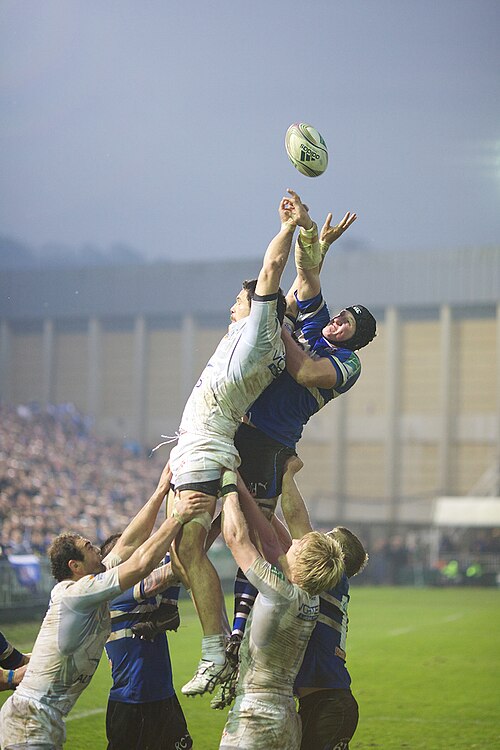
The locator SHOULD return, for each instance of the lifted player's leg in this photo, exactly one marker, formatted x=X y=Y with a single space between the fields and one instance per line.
x=206 y=592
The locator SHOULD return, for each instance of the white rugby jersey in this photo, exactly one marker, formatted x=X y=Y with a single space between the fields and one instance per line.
x=70 y=643
x=278 y=630
x=245 y=362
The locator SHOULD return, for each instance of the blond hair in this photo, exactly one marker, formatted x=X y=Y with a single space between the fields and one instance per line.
x=319 y=564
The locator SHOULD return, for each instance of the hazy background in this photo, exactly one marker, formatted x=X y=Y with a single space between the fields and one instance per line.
x=156 y=128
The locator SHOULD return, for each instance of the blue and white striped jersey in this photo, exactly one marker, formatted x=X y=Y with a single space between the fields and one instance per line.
x=141 y=669
x=283 y=409
x=324 y=660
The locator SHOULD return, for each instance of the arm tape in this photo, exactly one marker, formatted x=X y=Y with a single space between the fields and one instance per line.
x=227 y=489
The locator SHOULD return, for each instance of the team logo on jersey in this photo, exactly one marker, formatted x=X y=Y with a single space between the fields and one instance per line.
x=277 y=572
x=277 y=366
x=308 y=612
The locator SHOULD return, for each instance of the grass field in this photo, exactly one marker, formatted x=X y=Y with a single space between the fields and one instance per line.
x=425 y=665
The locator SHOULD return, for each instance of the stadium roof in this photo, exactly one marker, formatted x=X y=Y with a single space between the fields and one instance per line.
x=468 y=277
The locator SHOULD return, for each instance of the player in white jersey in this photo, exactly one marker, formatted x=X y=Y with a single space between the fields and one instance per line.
x=246 y=361
x=279 y=627
x=77 y=624
x=327 y=707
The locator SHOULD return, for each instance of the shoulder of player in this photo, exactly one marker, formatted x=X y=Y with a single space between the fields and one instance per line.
x=264 y=569
x=312 y=305
x=72 y=588
x=325 y=349
x=60 y=588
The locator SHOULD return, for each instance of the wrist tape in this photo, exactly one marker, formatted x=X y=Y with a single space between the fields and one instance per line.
x=229 y=482
x=307 y=249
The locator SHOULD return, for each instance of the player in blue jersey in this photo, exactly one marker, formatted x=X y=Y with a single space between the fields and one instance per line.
x=327 y=707
x=12 y=665
x=143 y=710
x=324 y=366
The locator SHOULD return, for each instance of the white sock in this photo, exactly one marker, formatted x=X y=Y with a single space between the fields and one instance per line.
x=213 y=648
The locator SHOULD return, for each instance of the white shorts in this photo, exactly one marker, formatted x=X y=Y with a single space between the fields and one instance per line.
x=262 y=721
x=200 y=458
x=27 y=723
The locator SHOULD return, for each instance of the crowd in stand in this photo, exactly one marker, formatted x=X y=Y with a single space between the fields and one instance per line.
x=56 y=475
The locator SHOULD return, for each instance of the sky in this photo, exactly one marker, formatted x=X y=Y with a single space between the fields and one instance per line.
x=160 y=124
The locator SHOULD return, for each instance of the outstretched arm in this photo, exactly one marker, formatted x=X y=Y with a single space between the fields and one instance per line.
x=160 y=579
x=142 y=524
x=307 y=281
x=262 y=533
x=262 y=537
x=238 y=515
x=145 y=557
x=277 y=253
x=292 y=503
x=329 y=234
x=236 y=534
x=292 y=213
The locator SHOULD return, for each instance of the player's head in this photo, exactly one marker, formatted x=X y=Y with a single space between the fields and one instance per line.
x=316 y=562
x=355 y=555
x=241 y=308
x=71 y=555
x=352 y=328
x=109 y=543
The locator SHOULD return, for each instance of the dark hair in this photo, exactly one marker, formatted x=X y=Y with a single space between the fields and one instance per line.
x=109 y=543
x=63 y=549
x=250 y=285
x=355 y=555
x=366 y=328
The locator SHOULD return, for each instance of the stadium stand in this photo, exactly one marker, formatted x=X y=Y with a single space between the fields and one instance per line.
x=55 y=475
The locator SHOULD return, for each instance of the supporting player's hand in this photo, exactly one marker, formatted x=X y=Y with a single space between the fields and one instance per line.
x=18 y=675
x=192 y=505
x=329 y=234
x=292 y=466
x=164 y=481
x=299 y=211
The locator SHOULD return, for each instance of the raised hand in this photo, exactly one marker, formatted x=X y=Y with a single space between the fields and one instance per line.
x=286 y=213
x=299 y=211
x=329 y=234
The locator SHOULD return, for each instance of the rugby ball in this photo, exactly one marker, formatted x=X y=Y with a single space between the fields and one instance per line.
x=306 y=149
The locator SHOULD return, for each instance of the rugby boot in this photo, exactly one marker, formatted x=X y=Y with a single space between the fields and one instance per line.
x=207 y=676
